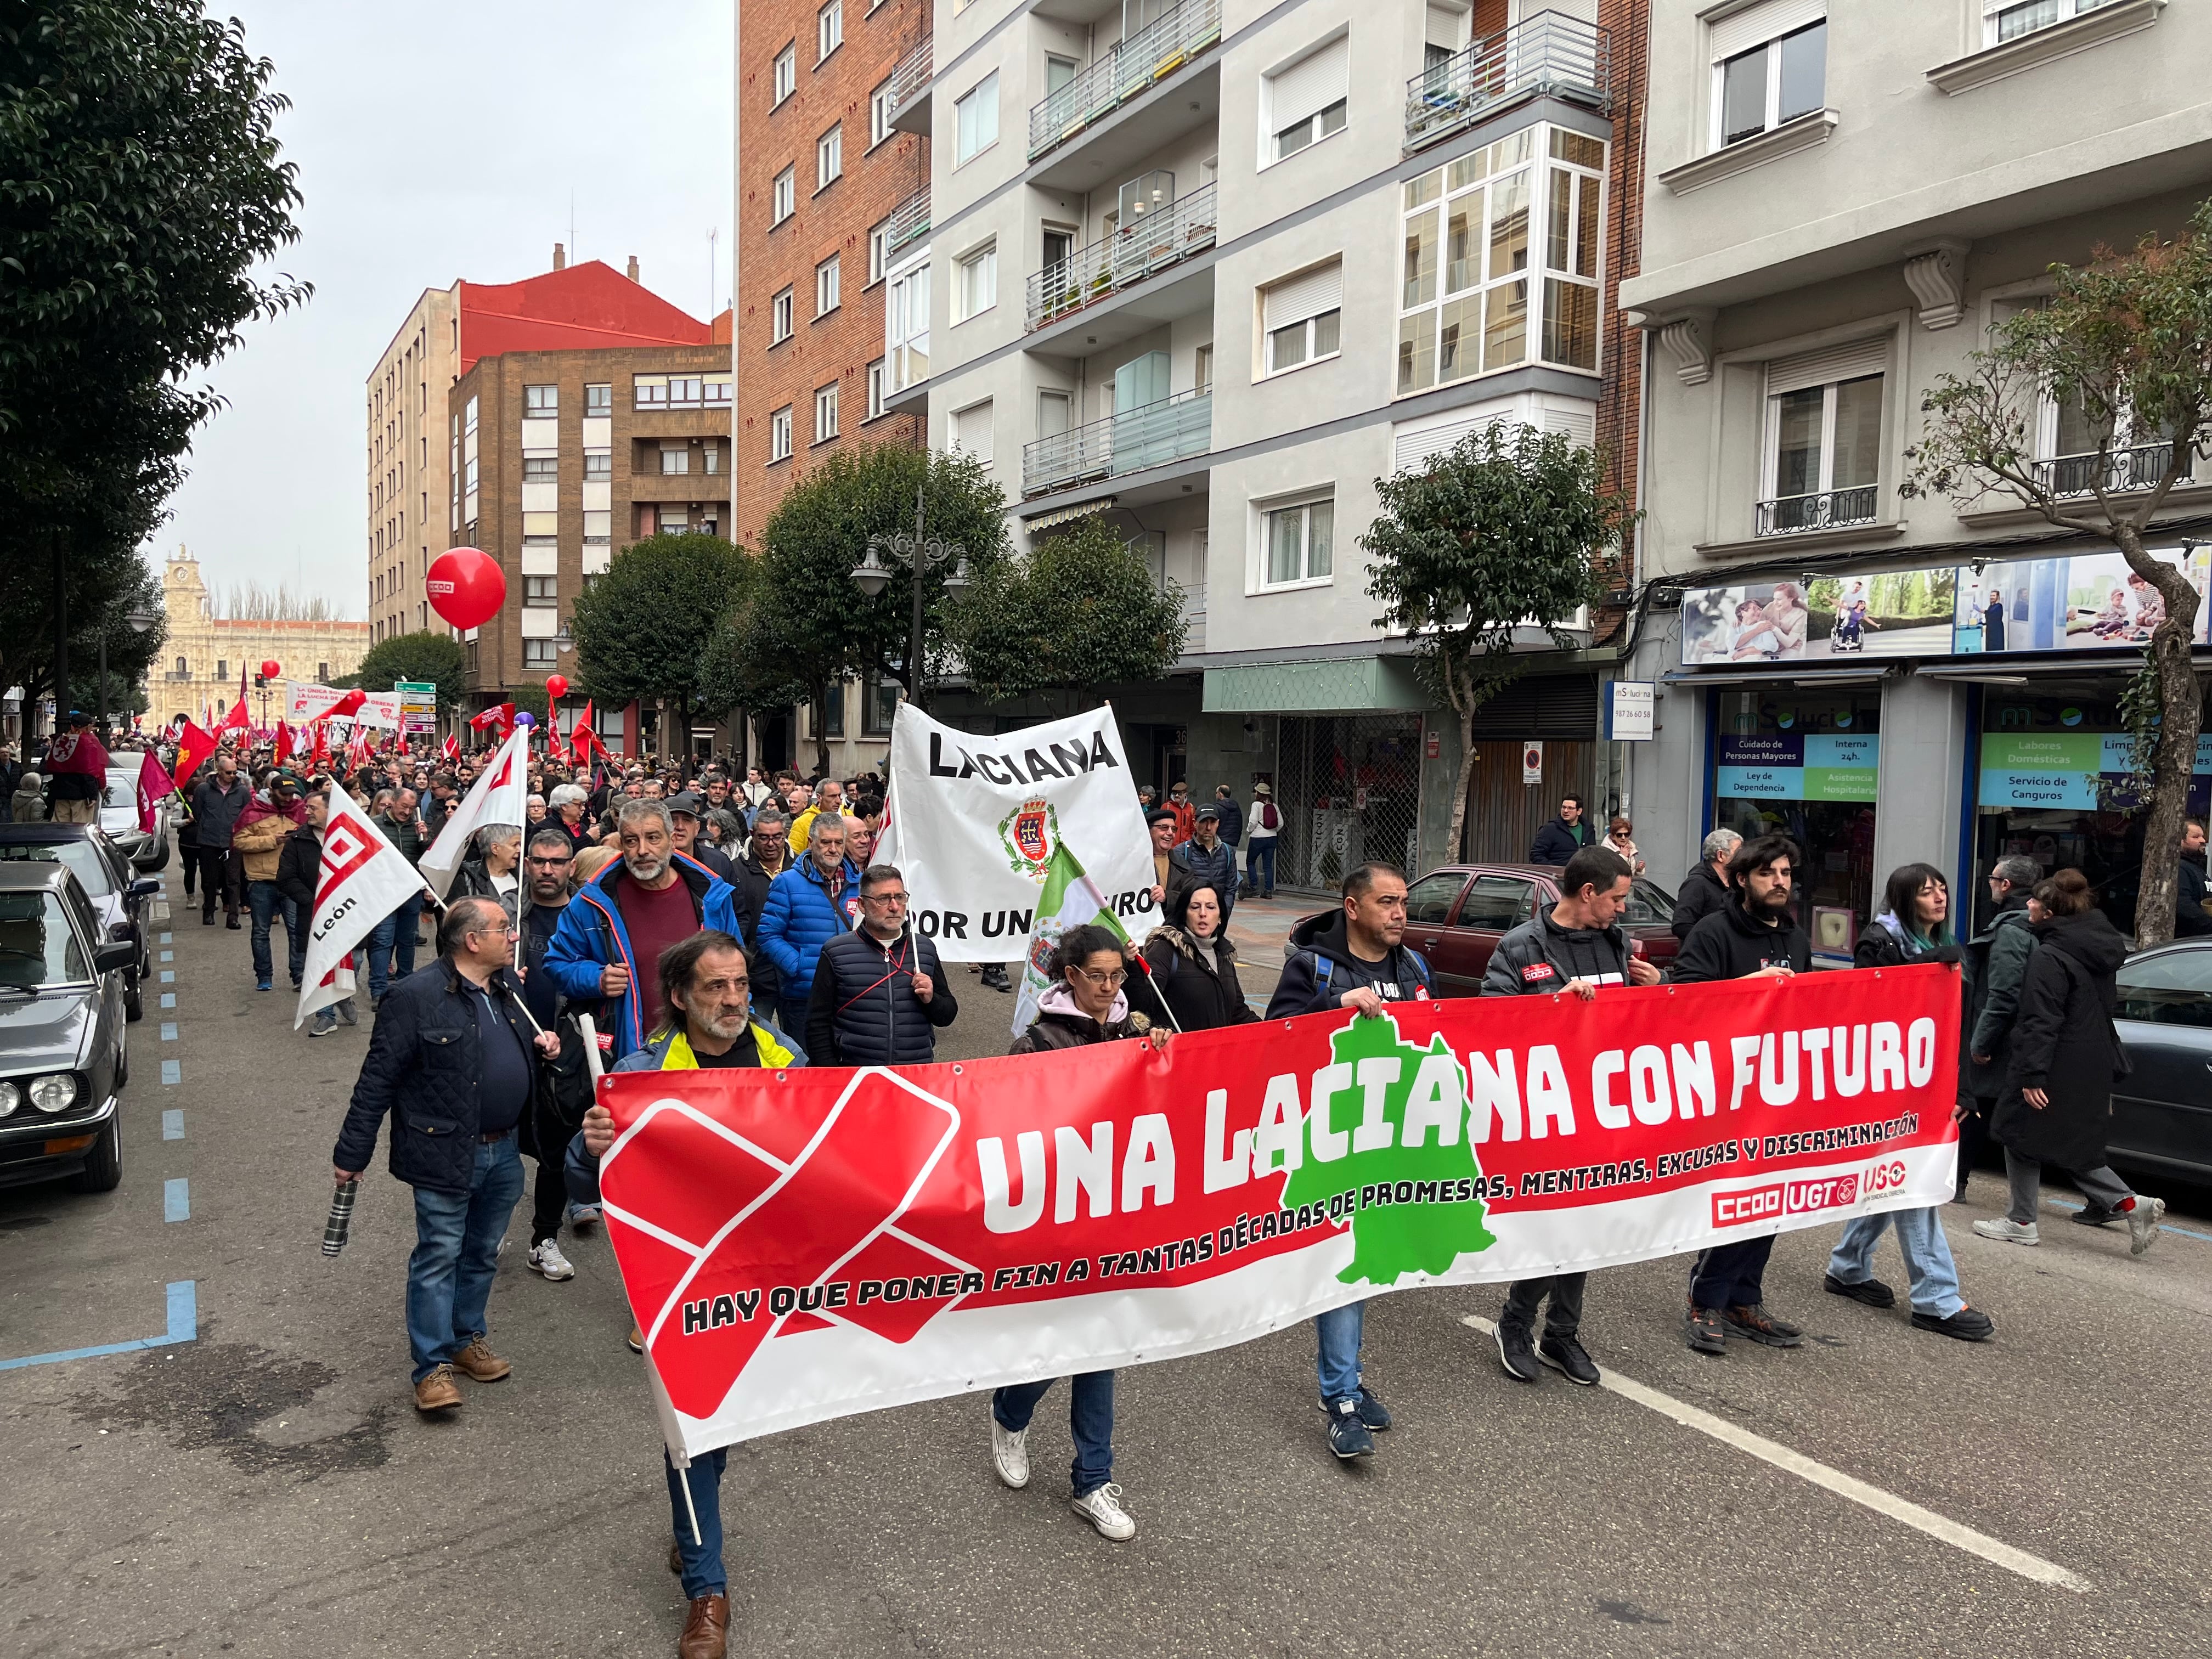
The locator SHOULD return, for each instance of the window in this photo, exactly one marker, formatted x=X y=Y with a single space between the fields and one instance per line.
x=1201 y=378
x=539 y=653
x=2004 y=19
x=826 y=286
x=184 y=669
x=599 y=401
x=1057 y=72
x=976 y=120
x=971 y=431
x=878 y=251
x=1306 y=102
x=540 y=468
x=1770 y=67
x=879 y=114
x=1297 y=542
x=829 y=29
x=674 y=457
x=541 y=590
x=1495 y=903
x=826 y=413
x=905 y=327
x=787 y=73
x=879 y=701
x=1824 y=438
x=710 y=457
x=685 y=391
x=779 y=435
x=1429 y=901
x=540 y=401
x=598 y=465
x=832 y=711
x=875 y=390
x=784 y=198
x=1300 y=317
x=1475 y=232
x=2173 y=989
x=715 y=394
x=222 y=668
x=976 y=282
x=828 y=157
x=648 y=391
x=779 y=318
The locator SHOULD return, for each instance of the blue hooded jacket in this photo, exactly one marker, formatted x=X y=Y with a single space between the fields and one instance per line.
x=592 y=935
x=799 y=918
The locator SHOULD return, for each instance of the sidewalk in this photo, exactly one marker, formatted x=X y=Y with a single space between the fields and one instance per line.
x=1260 y=927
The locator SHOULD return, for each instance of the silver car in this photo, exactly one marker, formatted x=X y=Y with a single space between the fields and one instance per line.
x=64 y=1048
x=2162 y=1109
x=122 y=809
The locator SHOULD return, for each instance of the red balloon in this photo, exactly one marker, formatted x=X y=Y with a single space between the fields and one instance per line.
x=467 y=585
x=557 y=686
x=271 y=669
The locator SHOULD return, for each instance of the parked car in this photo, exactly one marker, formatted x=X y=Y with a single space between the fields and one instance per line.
x=119 y=898
x=1455 y=915
x=123 y=808
x=2162 y=1109
x=65 y=1046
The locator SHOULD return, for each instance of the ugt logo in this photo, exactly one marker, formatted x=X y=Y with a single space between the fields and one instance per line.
x=1028 y=834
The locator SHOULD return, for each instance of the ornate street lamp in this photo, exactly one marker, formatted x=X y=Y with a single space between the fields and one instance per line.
x=919 y=554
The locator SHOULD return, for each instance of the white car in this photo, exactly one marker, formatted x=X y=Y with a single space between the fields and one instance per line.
x=122 y=809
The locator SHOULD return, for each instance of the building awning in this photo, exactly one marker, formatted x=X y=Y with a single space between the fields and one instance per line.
x=1783 y=674
x=1346 y=685
x=2045 y=665
x=1068 y=514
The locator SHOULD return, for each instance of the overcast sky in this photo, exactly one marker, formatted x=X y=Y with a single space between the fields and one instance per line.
x=436 y=141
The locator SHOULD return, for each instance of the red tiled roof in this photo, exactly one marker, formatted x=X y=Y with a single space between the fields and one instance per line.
x=582 y=307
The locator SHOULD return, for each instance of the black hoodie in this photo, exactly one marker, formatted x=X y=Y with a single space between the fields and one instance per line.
x=1730 y=945
x=1322 y=968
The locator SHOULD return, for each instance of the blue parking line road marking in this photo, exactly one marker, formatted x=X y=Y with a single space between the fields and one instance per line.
x=176 y=1200
x=184 y=1327
x=2163 y=1226
x=166 y=939
x=172 y=1124
x=168 y=976
x=168 y=956
x=168 y=998
x=168 y=1030
x=172 y=1072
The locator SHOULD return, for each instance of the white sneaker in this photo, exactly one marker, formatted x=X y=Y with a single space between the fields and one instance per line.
x=1102 y=1507
x=2142 y=1223
x=547 y=1259
x=1010 y=1454
x=2005 y=1228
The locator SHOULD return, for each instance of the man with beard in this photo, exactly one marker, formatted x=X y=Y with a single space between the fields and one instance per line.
x=1755 y=936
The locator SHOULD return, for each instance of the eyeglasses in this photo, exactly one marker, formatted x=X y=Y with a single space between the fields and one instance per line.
x=502 y=930
x=883 y=898
x=550 y=864
x=1112 y=976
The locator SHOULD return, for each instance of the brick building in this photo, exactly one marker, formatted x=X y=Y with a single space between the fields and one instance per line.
x=821 y=171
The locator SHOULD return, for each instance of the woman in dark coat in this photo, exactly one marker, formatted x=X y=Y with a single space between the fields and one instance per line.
x=2058 y=1101
x=1187 y=979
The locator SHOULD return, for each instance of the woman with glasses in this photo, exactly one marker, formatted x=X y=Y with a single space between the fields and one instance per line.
x=1084 y=1005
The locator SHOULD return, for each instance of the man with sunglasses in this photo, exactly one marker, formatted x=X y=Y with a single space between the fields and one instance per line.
x=879 y=996
x=450 y=1060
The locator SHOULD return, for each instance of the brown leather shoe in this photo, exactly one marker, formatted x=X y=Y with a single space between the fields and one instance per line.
x=637 y=1337
x=481 y=1363
x=437 y=1392
x=706 y=1629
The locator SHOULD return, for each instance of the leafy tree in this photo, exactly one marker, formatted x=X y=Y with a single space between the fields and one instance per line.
x=429 y=657
x=1503 y=531
x=642 y=629
x=1082 y=611
x=2127 y=341
x=140 y=189
x=746 y=666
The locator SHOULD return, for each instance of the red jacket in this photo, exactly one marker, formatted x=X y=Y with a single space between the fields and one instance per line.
x=1185 y=818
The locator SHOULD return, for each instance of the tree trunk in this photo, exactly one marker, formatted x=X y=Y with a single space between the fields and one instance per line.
x=2173 y=759
x=684 y=738
x=1460 y=693
x=822 y=727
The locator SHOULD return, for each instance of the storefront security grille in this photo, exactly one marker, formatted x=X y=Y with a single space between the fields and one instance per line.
x=1350 y=790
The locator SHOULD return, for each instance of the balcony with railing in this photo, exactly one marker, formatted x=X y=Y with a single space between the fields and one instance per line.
x=909 y=91
x=1172 y=429
x=1134 y=253
x=1550 y=55
x=1132 y=66
x=909 y=222
x=1825 y=509
x=2110 y=472
x=1193 y=617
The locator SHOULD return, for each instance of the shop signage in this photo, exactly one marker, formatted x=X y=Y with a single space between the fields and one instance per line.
x=1798 y=766
x=2061 y=770
x=1631 y=711
x=2088 y=602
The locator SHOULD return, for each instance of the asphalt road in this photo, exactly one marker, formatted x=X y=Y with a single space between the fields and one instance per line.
x=266 y=1488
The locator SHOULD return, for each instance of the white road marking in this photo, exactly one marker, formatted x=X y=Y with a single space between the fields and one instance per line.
x=1942 y=1528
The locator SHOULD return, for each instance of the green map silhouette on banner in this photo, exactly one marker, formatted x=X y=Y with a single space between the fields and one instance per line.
x=1376 y=1079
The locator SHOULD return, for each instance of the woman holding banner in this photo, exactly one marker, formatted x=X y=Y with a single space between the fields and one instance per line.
x=1086 y=1007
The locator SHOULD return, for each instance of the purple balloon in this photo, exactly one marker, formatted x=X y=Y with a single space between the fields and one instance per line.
x=525 y=718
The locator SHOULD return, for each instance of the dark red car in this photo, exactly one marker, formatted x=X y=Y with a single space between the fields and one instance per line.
x=1456 y=915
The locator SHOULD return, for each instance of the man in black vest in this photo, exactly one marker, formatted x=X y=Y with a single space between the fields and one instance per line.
x=879 y=995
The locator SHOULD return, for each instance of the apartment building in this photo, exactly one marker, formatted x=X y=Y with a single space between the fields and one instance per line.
x=406 y=473
x=1841 y=202
x=833 y=97
x=559 y=457
x=1212 y=269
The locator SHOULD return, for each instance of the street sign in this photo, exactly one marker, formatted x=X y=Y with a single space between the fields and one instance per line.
x=1532 y=761
x=1631 y=711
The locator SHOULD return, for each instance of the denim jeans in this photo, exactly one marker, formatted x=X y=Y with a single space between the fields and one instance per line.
x=1524 y=1295
x=1258 y=855
x=1337 y=1335
x=1731 y=1275
x=392 y=947
x=1928 y=1265
x=1089 y=1420
x=702 y=1560
x=456 y=1252
x=266 y=904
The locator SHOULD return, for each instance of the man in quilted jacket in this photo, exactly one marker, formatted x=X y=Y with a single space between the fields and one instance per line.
x=808 y=905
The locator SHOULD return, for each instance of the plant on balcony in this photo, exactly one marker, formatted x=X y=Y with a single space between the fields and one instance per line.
x=1505 y=531
x=1081 y=612
x=2127 y=340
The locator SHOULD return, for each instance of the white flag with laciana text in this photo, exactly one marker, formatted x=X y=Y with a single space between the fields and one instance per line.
x=363 y=878
x=974 y=822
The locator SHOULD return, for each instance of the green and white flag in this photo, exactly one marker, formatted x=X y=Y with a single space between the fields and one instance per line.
x=1070 y=899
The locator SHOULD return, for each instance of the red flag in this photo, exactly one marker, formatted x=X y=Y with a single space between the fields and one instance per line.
x=283 y=741
x=193 y=747
x=237 y=720
x=450 y=749
x=321 y=757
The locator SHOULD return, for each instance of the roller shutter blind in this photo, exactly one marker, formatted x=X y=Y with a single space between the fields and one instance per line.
x=1310 y=85
x=1756 y=25
x=1294 y=299
x=1849 y=361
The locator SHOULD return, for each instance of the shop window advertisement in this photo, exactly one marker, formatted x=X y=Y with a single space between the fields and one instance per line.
x=2089 y=601
x=1906 y=613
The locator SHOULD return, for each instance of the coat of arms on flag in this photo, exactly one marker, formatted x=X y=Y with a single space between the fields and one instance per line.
x=1029 y=833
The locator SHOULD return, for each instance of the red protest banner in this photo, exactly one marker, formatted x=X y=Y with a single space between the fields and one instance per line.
x=804 y=1244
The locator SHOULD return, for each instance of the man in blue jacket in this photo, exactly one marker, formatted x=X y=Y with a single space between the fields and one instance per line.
x=608 y=946
x=808 y=905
